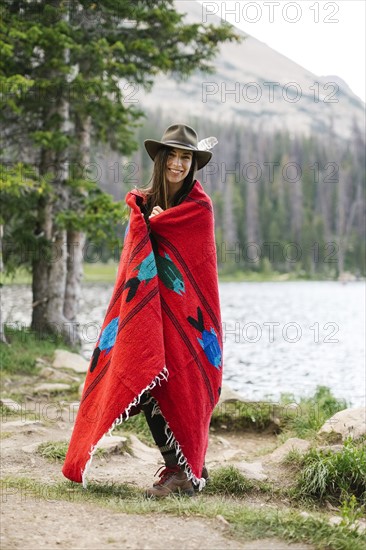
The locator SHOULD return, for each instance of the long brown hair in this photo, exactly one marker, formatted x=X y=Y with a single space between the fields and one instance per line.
x=157 y=192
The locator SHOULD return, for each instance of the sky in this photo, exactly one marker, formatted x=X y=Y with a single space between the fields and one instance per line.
x=325 y=37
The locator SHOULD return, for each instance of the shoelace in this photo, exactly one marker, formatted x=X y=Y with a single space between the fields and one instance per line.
x=166 y=473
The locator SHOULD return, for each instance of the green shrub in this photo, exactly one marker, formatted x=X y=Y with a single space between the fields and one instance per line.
x=292 y=527
x=334 y=476
x=351 y=511
x=54 y=451
x=228 y=481
x=242 y=416
x=309 y=415
x=298 y=418
x=25 y=346
x=6 y=411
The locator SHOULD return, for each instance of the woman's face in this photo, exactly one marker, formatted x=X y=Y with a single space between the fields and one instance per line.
x=178 y=164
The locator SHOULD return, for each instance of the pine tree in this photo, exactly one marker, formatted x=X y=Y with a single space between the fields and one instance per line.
x=71 y=71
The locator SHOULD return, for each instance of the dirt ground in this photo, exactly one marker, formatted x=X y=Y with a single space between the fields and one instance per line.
x=31 y=521
x=31 y=524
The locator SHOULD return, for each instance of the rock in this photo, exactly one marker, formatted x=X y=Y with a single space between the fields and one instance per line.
x=223 y=442
x=228 y=395
x=142 y=451
x=72 y=408
x=222 y=520
x=21 y=424
x=52 y=388
x=13 y=406
x=30 y=449
x=113 y=444
x=53 y=374
x=66 y=360
x=346 y=277
x=360 y=525
x=81 y=389
x=346 y=423
x=281 y=413
x=41 y=362
x=47 y=372
x=335 y=520
x=294 y=443
x=252 y=470
x=231 y=454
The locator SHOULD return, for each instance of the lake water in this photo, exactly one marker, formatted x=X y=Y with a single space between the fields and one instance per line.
x=278 y=337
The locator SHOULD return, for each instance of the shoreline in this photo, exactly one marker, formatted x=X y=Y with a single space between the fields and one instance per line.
x=106 y=273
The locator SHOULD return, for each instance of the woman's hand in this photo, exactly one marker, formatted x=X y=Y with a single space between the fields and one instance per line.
x=155 y=211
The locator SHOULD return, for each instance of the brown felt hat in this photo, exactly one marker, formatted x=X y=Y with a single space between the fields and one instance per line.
x=181 y=137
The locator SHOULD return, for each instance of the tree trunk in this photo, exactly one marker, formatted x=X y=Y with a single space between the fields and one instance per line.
x=230 y=241
x=40 y=293
x=48 y=286
x=49 y=270
x=341 y=222
x=75 y=247
x=40 y=262
x=2 y=331
x=76 y=238
x=252 y=224
x=230 y=234
x=49 y=263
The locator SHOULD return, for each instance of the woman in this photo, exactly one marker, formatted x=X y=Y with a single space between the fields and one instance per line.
x=160 y=347
x=176 y=158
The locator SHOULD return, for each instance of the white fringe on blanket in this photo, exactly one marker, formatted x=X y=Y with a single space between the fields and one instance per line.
x=182 y=461
x=171 y=441
x=163 y=375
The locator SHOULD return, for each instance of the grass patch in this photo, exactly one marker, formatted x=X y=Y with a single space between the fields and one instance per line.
x=293 y=459
x=305 y=418
x=7 y=411
x=25 y=346
x=238 y=416
x=93 y=272
x=333 y=476
x=7 y=414
x=351 y=511
x=54 y=451
x=292 y=527
x=294 y=419
x=5 y=435
x=228 y=481
x=245 y=523
x=19 y=277
x=100 y=272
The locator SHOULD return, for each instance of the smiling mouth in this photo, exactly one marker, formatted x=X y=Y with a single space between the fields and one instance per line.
x=176 y=172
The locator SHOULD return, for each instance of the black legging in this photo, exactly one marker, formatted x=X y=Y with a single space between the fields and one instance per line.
x=157 y=427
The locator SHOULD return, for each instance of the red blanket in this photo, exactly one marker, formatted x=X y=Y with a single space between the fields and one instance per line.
x=162 y=332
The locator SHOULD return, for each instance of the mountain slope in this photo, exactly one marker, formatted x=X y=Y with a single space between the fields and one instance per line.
x=260 y=87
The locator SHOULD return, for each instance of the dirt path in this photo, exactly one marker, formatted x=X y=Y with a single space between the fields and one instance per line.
x=69 y=525
x=31 y=524
x=30 y=521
